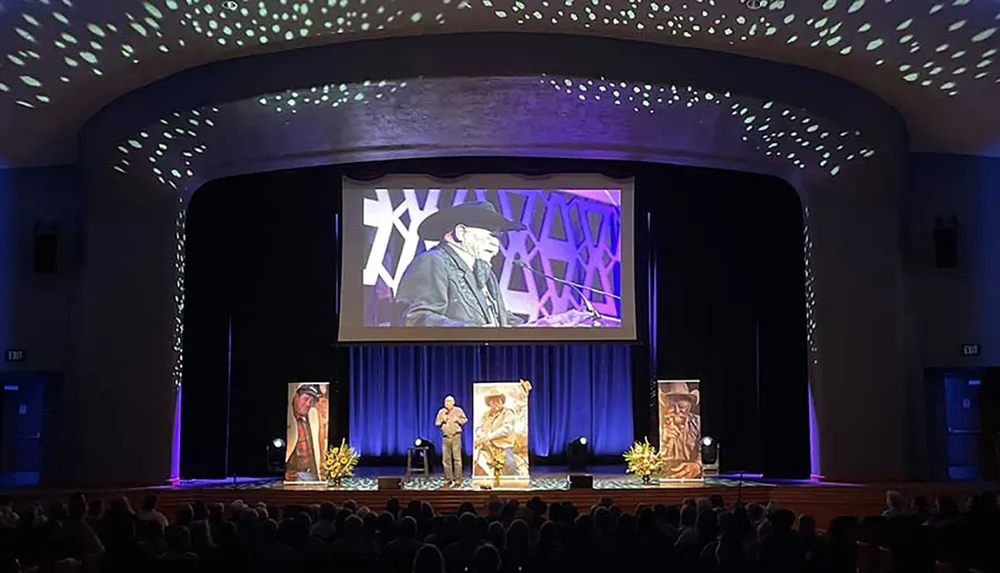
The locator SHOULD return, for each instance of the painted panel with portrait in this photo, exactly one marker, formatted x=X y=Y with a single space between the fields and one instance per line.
x=680 y=428
x=500 y=430
x=306 y=431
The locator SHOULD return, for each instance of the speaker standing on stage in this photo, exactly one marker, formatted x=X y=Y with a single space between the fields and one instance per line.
x=450 y=419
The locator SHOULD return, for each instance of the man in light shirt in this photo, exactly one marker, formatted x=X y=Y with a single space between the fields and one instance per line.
x=450 y=419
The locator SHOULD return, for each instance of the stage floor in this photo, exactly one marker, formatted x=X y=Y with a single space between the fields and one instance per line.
x=547 y=478
x=823 y=500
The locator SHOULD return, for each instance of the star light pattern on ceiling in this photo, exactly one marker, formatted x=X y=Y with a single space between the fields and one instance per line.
x=939 y=46
x=168 y=148
x=810 y=286
x=332 y=95
x=778 y=131
x=837 y=25
x=180 y=269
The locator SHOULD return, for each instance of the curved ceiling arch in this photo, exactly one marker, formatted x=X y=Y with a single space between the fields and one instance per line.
x=932 y=60
x=457 y=55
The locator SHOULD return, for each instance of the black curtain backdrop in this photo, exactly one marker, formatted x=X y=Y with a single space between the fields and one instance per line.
x=720 y=298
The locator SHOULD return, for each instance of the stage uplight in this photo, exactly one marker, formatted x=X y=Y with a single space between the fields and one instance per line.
x=709 y=456
x=276 y=455
x=423 y=443
x=577 y=454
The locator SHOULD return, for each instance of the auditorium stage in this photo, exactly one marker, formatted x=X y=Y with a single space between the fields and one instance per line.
x=823 y=500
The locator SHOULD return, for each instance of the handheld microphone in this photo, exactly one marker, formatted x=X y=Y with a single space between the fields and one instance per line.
x=577 y=288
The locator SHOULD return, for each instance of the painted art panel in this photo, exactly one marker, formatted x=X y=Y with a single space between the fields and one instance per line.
x=306 y=431
x=500 y=430
x=680 y=428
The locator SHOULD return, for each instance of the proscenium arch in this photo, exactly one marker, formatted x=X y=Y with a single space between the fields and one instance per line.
x=495 y=55
x=133 y=284
x=547 y=116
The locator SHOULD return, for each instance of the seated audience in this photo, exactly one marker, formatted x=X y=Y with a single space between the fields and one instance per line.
x=499 y=536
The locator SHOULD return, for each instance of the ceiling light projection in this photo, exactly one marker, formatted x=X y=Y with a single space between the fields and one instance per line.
x=332 y=95
x=789 y=134
x=52 y=43
x=893 y=34
x=168 y=148
x=59 y=31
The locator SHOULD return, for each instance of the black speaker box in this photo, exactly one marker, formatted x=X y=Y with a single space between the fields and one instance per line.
x=581 y=481
x=390 y=483
x=946 y=243
x=46 y=252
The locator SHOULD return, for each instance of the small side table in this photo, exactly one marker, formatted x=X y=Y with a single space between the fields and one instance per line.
x=424 y=453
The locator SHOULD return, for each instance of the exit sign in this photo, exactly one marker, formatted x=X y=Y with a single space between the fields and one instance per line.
x=970 y=349
x=15 y=355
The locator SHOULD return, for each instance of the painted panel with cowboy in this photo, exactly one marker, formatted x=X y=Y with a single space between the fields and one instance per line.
x=500 y=418
x=680 y=428
x=306 y=431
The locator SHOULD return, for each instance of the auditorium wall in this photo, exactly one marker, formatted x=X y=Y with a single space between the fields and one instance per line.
x=36 y=310
x=952 y=307
x=948 y=308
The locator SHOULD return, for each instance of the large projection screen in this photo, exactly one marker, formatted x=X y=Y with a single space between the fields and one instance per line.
x=487 y=258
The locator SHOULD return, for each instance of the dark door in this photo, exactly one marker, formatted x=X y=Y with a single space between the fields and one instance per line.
x=23 y=400
x=962 y=417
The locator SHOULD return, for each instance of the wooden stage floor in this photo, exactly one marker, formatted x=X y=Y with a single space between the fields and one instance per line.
x=822 y=500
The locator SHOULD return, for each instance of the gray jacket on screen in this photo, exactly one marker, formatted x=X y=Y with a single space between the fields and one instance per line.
x=439 y=289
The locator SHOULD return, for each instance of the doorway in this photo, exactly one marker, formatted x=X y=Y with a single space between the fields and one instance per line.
x=22 y=422
x=964 y=408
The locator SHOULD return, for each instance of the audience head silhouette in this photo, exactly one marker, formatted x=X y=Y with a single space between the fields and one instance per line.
x=492 y=537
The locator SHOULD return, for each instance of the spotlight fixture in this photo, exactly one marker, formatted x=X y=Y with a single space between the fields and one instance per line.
x=755 y=4
x=429 y=452
x=709 y=456
x=276 y=455
x=576 y=454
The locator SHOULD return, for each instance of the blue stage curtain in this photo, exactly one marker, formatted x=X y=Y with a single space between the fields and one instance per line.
x=578 y=390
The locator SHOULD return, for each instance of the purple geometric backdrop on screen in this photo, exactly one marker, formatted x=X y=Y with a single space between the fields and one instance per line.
x=574 y=235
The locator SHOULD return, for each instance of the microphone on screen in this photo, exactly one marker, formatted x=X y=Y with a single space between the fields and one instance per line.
x=611 y=199
x=577 y=288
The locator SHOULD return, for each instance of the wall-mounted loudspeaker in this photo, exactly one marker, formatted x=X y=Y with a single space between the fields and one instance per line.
x=946 y=242
x=45 y=249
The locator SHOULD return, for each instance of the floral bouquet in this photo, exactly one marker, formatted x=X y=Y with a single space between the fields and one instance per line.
x=643 y=460
x=497 y=466
x=340 y=461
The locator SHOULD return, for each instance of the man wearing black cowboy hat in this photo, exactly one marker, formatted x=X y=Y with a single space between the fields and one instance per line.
x=453 y=284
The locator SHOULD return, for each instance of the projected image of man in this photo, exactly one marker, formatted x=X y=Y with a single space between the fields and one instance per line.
x=453 y=284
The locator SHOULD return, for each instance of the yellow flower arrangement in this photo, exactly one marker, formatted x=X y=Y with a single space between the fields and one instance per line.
x=340 y=461
x=643 y=460
x=497 y=461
